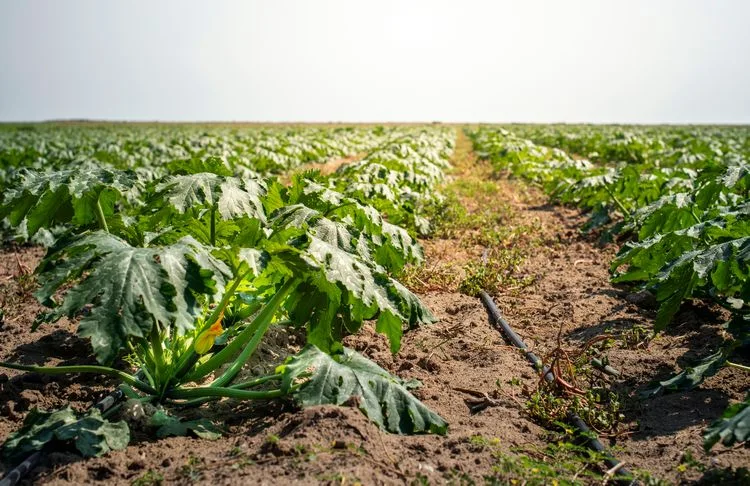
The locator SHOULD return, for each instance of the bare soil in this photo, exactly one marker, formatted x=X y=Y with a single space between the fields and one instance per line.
x=325 y=168
x=461 y=361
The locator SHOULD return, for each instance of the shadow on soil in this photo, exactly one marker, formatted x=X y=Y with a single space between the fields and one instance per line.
x=60 y=344
x=670 y=413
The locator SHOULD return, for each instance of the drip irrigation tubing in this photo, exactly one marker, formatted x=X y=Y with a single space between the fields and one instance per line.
x=498 y=321
x=18 y=472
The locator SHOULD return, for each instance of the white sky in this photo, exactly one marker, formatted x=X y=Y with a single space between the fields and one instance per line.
x=595 y=61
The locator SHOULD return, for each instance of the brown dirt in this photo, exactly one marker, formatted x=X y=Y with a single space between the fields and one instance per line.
x=325 y=168
x=51 y=344
x=277 y=443
x=331 y=166
x=572 y=291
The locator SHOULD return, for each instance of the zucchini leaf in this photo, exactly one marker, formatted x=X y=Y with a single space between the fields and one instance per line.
x=350 y=376
x=126 y=290
x=168 y=425
x=91 y=434
x=731 y=428
x=45 y=199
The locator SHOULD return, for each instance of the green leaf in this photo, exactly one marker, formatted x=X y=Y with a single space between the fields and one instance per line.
x=368 y=285
x=168 y=425
x=94 y=436
x=690 y=377
x=91 y=434
x=392 y=245
x=380 y=396
x=390 y=325
x=128 y=289
x=331 y=232
x=727 y=264
x=38 y=429
x=733 y=427
x=197 y=165
x=43 y=200
x=231 y=196
x=674 y=285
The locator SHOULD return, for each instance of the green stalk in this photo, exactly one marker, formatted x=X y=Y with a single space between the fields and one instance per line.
x=738 y=366
x=188 y=360
x=261 y=322
x=695 y=216
x=143 y=361
x=206 y=391
x=247 y=351
x=159 y=363
x=336 y=208
x=101 y=370
x=100 y=216
x=617 y=201
x=224 y=301
x=147 y=373
x=213 y=226
x=256 y=382
x=128 y=391
x=238 y=386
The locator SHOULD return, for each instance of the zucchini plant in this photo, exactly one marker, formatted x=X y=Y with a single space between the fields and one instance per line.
x=176 y=280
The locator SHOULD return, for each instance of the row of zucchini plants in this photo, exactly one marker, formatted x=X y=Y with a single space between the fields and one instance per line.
x=261 y=150
x=177 y=278
x=680 y=207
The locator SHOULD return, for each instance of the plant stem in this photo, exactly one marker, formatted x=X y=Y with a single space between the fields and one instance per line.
x=238 y=386
x=261 y=322
x=622 y=207
x=224 y=301
x=213 y=226
x=100 y=215
x=336 y=208
x=158 y=351
x=256 y=382
x=215 y=391
x=188 y=360
x=101 y=370
x=738 y=366
x=695 y=216
x=247 y=351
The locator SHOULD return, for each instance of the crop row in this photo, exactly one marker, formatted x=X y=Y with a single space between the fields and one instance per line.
x=183 y=274
x=133 y=147
x=679 y=205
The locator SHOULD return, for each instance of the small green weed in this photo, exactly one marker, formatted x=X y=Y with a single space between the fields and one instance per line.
x=192 y=469
x=598 y=407
x=149 y=478
x=500 y=270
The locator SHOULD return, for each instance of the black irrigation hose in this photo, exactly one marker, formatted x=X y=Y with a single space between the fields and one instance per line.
x=497 y=320
x=17 y=473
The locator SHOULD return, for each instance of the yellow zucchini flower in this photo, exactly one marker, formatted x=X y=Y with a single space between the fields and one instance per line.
x=205 y=340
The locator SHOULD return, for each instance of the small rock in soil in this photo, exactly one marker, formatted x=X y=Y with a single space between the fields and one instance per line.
x=429 y=365
x=30 y=396
x=452 y=310
x=9 y=410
